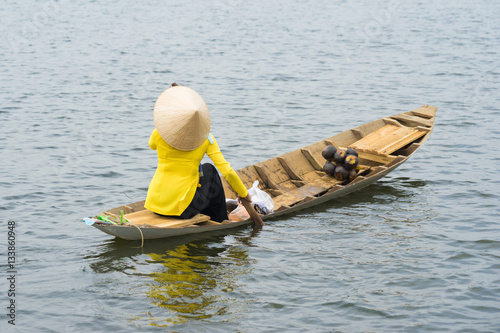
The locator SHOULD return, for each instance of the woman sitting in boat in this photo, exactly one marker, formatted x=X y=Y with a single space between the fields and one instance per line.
x=181 y=187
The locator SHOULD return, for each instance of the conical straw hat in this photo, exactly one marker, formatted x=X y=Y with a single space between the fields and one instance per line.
x=182 y=118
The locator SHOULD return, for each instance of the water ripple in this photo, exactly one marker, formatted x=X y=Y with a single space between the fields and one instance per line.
x=416 y=252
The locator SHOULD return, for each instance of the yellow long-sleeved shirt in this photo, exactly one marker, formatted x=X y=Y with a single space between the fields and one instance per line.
x=177 y=175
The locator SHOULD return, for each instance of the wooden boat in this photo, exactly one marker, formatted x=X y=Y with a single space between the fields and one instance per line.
x=295 y=180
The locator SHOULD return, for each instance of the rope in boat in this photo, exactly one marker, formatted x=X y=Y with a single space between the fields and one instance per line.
x=142 y=236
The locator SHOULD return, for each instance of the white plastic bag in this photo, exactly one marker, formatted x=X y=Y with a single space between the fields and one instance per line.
x=262 y=202
x=261 y=199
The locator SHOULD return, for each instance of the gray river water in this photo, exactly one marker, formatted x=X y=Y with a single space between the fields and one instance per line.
x=419 y=251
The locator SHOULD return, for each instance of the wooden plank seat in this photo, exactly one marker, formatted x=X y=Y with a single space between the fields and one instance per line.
x=426 y=111
x=415 y=120
x=387 y=139
x=294 y=196
x=379 y=158
x=147 y=217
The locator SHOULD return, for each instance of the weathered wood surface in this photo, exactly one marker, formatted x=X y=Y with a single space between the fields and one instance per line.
x=387 y=139
x=426 y=111
x=147 y=217
x=413 y=120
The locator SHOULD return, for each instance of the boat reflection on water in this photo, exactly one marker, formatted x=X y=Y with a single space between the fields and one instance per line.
x=185 y=279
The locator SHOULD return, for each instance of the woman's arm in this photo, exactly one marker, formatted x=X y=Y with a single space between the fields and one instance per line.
x=224 y=167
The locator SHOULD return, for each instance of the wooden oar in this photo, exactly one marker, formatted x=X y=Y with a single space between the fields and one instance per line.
x=251 y=211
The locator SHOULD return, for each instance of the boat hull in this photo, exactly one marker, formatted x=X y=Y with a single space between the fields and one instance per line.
x=296 y=180
x=131 y=233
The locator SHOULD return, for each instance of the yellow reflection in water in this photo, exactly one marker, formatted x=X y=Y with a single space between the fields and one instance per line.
x=196 y=281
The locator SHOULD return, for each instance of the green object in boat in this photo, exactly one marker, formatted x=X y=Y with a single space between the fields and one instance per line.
x=104 y=218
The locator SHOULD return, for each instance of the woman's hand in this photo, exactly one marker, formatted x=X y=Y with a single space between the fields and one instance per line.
x=247 y=198
x=247 y=203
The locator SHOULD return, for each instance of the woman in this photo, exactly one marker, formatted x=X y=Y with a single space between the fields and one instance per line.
x=181 y=187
